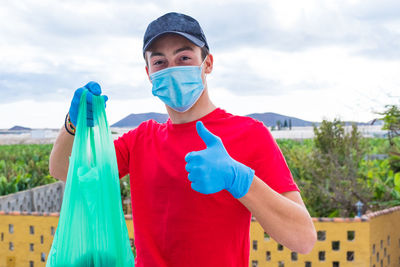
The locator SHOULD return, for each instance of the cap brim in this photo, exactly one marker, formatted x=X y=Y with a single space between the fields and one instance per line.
x=191 y=38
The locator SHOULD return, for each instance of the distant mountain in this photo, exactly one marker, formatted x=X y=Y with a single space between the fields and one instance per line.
x=134 y=120
x=350 y=123
x=376 y=122
x=270 y=119
x=19 y=128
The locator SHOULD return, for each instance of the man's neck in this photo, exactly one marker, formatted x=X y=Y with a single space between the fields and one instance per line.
x=202 y=107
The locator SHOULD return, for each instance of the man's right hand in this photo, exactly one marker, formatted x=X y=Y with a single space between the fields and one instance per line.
x=93 y=89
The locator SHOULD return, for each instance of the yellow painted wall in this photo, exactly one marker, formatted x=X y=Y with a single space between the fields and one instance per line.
x=375 y=242
x=385 y=239
x=323 y=253
x=25 y=240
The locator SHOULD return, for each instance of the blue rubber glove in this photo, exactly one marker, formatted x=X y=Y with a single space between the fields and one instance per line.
x=93 y=88
x=212 y=169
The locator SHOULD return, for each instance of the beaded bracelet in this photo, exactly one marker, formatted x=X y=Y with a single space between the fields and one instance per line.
x=68 y=121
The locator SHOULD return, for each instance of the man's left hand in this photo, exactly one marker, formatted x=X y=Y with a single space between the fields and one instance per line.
x=212 y=169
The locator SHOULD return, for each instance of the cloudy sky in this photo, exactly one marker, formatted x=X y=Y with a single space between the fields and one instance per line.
x=312 y=59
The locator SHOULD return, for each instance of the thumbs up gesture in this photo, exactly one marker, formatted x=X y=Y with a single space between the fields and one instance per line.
x=212 y=169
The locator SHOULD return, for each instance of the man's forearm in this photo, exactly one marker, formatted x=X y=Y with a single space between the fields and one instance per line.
x=59 y=157
x=283 y=217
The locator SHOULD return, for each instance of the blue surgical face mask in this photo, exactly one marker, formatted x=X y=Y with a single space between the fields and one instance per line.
x=178 y=87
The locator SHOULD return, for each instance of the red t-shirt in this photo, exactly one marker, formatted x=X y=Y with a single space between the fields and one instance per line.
x=177 y=226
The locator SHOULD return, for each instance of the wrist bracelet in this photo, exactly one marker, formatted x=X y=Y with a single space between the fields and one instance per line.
x=67 y=120
x=70 y=124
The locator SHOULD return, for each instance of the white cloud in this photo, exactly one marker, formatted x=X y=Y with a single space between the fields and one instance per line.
x=33 y=114
x=310 y=58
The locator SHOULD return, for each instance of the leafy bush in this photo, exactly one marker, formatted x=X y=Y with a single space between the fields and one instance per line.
x=23 y=167
x=391 y=117
x=336 y=169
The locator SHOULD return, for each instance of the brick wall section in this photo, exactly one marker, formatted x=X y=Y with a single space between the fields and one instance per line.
x=46 y=198
x=26 y=237
x=372 y=240
x=29 y=219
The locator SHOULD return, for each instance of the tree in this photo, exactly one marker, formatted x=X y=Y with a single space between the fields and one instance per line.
x=334 y=173
x=391 y=118
x=392 y=122
x=334 y=184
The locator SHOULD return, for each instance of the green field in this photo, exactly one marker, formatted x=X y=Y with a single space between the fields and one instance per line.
x=26 y=166
x=23 y=167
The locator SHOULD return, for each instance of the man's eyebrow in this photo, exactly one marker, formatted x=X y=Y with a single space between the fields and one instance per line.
x=183 y=49
x=155 y=54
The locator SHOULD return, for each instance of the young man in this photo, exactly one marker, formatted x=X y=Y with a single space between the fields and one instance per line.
x=197 y=179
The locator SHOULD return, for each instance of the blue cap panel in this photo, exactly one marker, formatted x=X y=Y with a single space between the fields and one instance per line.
x=181 y=24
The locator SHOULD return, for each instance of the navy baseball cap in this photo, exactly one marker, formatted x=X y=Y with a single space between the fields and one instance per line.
x=173 y=22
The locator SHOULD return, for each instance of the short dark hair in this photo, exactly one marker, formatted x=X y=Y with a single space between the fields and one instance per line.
x=204 y=52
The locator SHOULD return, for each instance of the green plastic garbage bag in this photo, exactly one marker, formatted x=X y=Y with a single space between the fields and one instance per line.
x=91 y=230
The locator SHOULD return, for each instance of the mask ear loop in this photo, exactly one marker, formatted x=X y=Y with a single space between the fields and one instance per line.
x=202 y=65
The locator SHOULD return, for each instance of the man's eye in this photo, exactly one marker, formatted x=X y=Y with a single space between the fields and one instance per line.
x=158 y=62
x=185 y=58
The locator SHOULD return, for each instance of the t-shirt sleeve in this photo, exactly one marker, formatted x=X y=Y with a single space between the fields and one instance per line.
x=269 y=163
x=123 y=147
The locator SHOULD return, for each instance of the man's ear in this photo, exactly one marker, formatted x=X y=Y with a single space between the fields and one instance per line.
x=209 y=63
